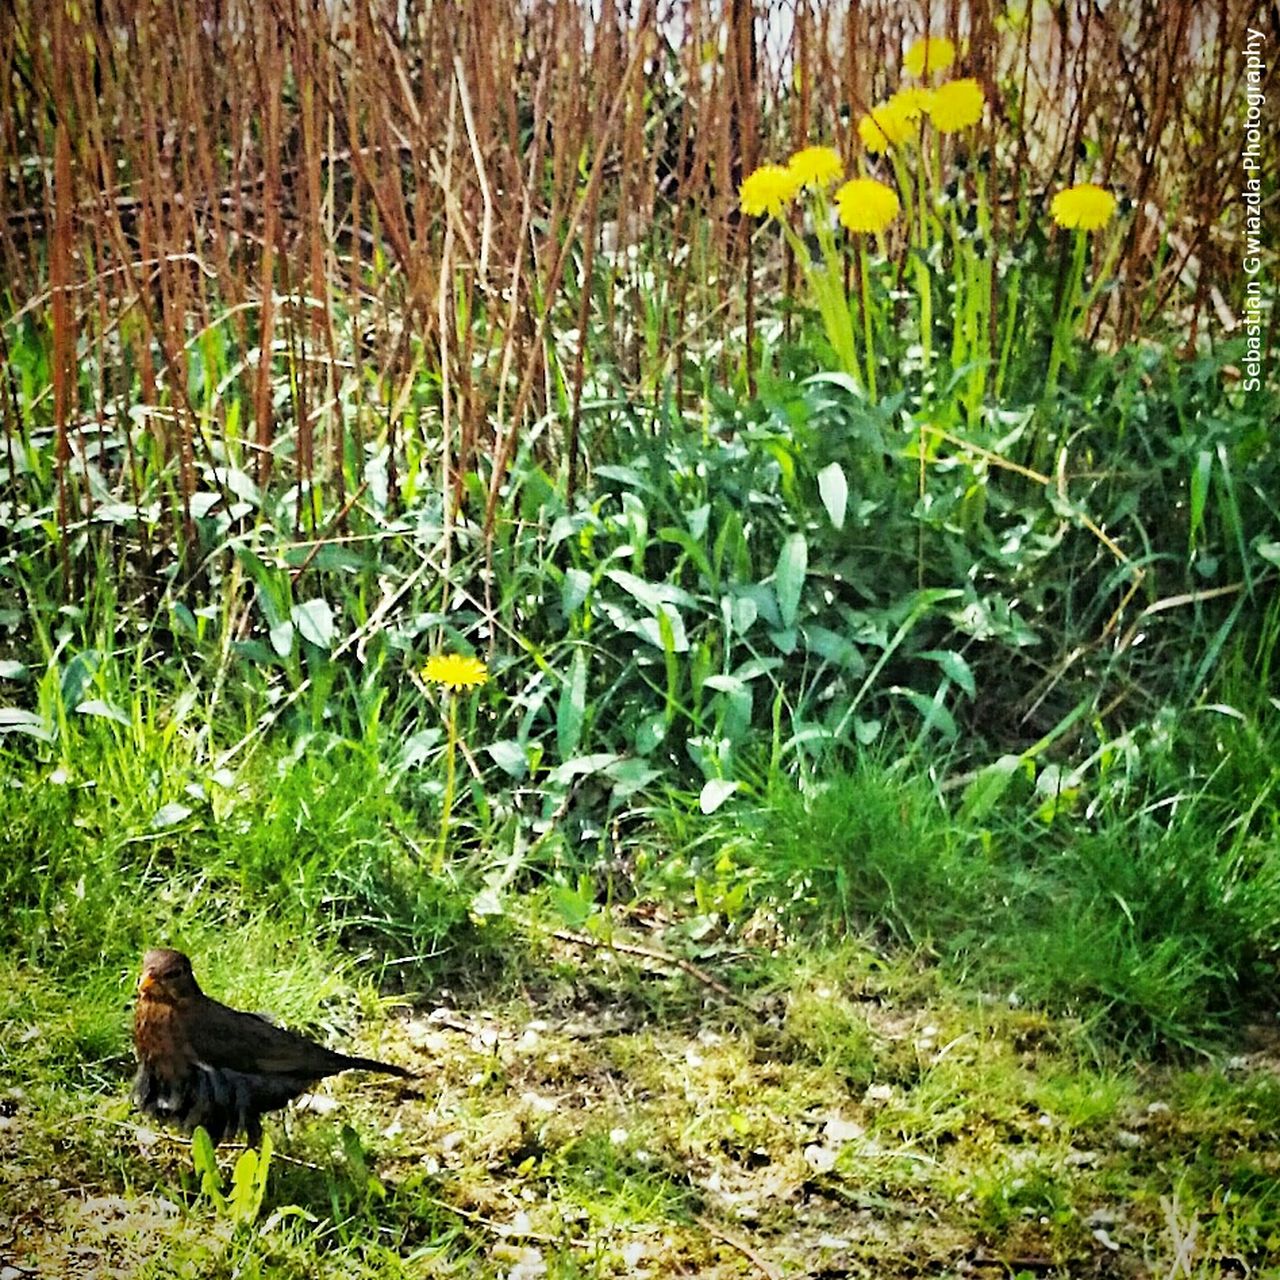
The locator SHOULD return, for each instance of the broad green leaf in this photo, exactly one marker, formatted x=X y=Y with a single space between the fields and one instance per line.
x=692 y=548
x=169 y=815
x=12 y=670
x=630 y=775
x=572 y=706
x=314 y=620
x=650 y=594
x=835 y=378
x=77 y=674
x=419 y=747
x=509 y=756
x=932 y=709
x=281 y=637
x=274 y=590
x=725 y=684
x=97 y=707
x=740 y=614
x=650 y=733
x=573 y=591
x=183 y=619
x=837 y=649
x=623 y=475
x=833 y=489
x=793 y=561
x=676 y=639
x=244 y=1183
x=985 y=790
x=1200 y=476
x=715 y=791
x=953 y=665
x=785 y=640
x=866 y=731
x=582 y=767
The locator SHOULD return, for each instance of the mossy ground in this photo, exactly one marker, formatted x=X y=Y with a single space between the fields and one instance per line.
x=584 y=1116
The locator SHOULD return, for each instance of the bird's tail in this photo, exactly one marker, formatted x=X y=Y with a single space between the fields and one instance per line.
x=372 y=1064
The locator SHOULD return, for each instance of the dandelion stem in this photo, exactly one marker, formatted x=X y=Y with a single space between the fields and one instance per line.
x=446 y=803
x=868 y=326
x=1065 y=321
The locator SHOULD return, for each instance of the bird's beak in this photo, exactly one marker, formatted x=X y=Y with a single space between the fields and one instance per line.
x=145 y=984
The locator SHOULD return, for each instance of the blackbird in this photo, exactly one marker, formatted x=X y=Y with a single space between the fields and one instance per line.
x=202 y=1063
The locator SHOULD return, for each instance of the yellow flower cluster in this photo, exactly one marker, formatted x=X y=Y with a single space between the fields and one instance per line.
x=768 y=190
x=863 y=204
x=892 y=123
x=1087 y=207
x=952 y=106
x=955 y=105
x=936 y=53
x=455 y=670
x=773 y=186
x=815 y=167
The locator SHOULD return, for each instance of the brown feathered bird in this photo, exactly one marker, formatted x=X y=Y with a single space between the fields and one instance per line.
x=202 y=1063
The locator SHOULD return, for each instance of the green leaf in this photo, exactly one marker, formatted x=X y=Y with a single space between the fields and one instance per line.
x=274 y=590
x=281 y=637
x=715 y=791
x=785 y=640
x=205 y=1163
x=932 y=709
x=509 y=756
x=837 y=649
x=169 y=815
x=577 y=582
x=833 y=489
x=793 y=562
x=676 y=639
x=582 y=767
x=653 y=595
x=954 y=666
x=77 y=675
x=15 y=720
x=314 y=620
x=1200 y=477
x=650 y=733
x=692 y=548
x=981 y=795
x=97 y=707
x=12 y=670
x=572 y=706
x=630 y=775
x=244 y=1198
x=725 y=684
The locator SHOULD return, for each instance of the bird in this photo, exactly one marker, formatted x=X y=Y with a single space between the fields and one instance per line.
x=201 y=1063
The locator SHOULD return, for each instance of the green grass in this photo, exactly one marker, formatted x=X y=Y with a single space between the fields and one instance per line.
x=1145 y=901
x=888 y=1107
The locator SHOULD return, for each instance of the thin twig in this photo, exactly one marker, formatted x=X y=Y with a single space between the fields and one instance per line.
x=659 y=957
x=757 y=1260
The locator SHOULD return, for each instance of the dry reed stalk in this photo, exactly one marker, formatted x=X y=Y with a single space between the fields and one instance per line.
x=365 y=200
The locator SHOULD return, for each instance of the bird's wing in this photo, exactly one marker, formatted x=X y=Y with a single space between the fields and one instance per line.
x=248 y=1042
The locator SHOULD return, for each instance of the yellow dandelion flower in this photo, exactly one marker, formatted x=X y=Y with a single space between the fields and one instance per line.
x=956 y=105
x=911 y=102
x=866 y=205
x=936 y=53
x=888 y=125
x=1087 y=206
x=768 y=190
x=455 y=670
x=815 y=167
